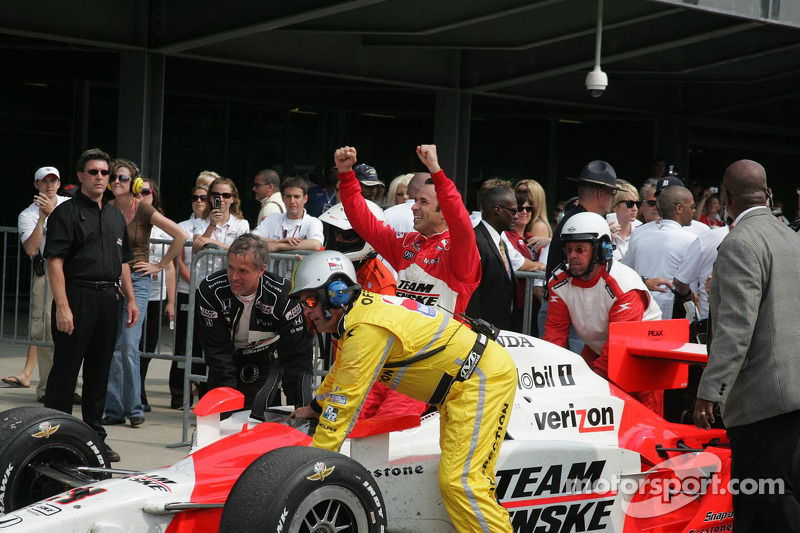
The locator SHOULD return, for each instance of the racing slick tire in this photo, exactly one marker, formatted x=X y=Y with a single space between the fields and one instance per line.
x=39 y=445
x=302 y=490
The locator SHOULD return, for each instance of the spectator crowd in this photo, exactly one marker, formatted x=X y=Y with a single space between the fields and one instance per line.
x=651 y=246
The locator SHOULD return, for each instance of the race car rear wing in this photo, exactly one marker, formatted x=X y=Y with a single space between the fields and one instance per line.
x=653 y=355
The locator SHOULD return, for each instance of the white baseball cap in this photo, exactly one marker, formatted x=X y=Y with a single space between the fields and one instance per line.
x=43 y=172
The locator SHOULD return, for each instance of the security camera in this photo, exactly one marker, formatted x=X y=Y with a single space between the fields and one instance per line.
x=596 y=81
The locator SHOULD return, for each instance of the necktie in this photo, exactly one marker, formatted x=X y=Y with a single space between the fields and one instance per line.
x=504 y=257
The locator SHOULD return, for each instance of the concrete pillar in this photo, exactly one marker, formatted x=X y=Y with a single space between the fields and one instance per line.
x=451 y=134
x=141 y=111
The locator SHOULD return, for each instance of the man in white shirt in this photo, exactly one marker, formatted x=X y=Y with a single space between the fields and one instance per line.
x=656 y=250
x=266 y=189
x=295 y=229
x=32 y=224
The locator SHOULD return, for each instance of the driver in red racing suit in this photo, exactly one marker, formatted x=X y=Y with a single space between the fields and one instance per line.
x=590 y=291
x=438 y=264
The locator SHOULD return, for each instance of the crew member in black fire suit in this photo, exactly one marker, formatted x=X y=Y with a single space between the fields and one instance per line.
x=253 y=336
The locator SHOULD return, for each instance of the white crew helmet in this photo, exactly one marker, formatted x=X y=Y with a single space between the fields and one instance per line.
x=589 y=227
x=336 y=219
x=330 y=273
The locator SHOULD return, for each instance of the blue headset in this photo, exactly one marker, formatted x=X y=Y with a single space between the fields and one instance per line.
x=338 y=293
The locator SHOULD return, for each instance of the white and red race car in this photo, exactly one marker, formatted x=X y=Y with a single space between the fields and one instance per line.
x=580 y=455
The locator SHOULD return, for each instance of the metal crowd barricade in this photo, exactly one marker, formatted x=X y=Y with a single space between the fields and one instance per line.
x=527 y=313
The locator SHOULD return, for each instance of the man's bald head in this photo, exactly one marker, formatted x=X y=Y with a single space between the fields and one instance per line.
x=416 y=182
x=670 y=198
x=745 y=183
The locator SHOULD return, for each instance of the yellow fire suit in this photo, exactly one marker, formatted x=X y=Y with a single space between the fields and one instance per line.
x=421 y=352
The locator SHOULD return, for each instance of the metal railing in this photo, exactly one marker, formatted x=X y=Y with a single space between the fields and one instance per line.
x=17 y=274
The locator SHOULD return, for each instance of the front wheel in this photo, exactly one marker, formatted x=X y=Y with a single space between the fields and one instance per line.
x=39 y=450
x=304 y=490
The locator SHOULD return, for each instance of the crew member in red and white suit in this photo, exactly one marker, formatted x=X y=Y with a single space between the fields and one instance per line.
x=591 y=290
x=438 y=263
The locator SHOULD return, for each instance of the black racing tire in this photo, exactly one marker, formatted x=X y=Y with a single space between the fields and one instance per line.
x=275 y=494
x=32 y=437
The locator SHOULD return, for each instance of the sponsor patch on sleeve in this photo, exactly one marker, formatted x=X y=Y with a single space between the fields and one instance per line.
x=331 y=413
x=341 y=399
x=293 y=312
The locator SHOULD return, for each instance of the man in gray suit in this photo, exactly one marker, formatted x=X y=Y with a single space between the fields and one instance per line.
x=753 y=365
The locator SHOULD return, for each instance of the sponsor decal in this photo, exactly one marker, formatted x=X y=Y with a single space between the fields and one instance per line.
x=610 y=293
x=366 y=484
x=397 y=471
x=331 y=413
x=713 y=529
x=4 y=485
x=44 y=509
x=294 y=312
x=226 y=306
x=557 y=285
x=387 y=374
x=514 y=341
x=588 y=516
x=264 y=308
x=119 y=242
x=341 y=399
x=443 y=245
x=157 y=483
x=45 y=430
x=409 y=255
x=545 y=377
x=75 y=495
x=499 y=434
x=431 y=261
x=209 y=322
x=96 y=451
x=335 y=264
x=282 y=519
x=417 y=245
x=321 y=471
x=585 y=420
x=711 y=516
x=412 y=304
x=9 y=521
x=655 y=333
x=208 y=313
x=421 y=292
x=545 y=481
x=470 y=363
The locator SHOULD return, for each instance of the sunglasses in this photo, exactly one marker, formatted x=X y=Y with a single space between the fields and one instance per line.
x=631 y=203
x=510 y=210
x=94 y=172
x=311 y=302
x=202 y=197
x=121 y=177
x=225 y=195
x=651 y=203
x=528 y=208
x=146 y=192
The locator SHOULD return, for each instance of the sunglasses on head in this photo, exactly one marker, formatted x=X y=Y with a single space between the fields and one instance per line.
x=651 y=203
x=311 y=302
x=631 y=203
x=146 y=192
x=521 y=208
x=94 y=172
x=121 y=177
x=196 y=197
x=225 y=195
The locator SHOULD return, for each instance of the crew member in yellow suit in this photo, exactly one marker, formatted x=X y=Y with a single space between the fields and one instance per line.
x=425 y=354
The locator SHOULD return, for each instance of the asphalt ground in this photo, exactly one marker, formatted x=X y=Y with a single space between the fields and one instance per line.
x=140 y=448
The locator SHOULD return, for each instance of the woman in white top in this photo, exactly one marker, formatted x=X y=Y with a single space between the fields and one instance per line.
x=162 y=288
x=199 y=199
x=626 y=205
x=218 y=227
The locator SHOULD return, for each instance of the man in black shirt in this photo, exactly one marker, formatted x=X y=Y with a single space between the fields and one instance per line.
x=87 y=250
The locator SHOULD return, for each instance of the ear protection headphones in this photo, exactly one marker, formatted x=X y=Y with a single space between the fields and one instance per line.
x=337 y=293
x=605 y=251
x=137 y=183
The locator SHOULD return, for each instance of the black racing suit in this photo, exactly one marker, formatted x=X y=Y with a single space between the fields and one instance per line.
x=279 y=342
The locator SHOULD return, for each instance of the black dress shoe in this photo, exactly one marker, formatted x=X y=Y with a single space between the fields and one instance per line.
x=113 y=456
x=137 y=421
x=111 y=421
